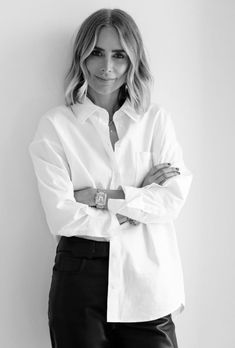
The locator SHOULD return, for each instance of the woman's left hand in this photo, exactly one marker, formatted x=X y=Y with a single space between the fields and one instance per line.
x=86 y=196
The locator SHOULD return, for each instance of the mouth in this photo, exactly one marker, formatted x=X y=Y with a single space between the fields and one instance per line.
x=104 y=80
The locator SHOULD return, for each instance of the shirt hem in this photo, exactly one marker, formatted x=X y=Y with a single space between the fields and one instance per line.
x=174 y=312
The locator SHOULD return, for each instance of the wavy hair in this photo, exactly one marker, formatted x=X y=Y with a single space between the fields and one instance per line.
x=139 y=79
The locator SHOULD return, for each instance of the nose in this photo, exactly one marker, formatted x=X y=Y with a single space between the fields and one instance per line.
x=107 y=65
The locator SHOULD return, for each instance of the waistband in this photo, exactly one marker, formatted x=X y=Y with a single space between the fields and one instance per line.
x=81 y=247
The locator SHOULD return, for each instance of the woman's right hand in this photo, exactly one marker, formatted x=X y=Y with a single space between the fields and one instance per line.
x=159 y=174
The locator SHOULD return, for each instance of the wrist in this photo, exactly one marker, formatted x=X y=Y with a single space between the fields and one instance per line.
x=114 y=194
x=93 y=194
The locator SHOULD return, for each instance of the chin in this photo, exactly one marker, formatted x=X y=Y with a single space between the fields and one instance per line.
x=105 y=91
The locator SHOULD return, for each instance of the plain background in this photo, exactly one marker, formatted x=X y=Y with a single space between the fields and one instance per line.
x=191 y=48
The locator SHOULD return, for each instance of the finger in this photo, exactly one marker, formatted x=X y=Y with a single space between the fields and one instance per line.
x=166 y=177
x=159 y=167
x=165 y=172
x=154 y=177
x=162 y=180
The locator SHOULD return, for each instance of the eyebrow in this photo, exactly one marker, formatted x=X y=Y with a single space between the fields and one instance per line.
x=101 y=49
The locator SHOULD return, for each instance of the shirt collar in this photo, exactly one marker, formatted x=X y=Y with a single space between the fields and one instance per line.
x=84 y=110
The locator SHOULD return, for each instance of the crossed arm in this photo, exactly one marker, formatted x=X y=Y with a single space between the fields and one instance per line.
x=159 y=174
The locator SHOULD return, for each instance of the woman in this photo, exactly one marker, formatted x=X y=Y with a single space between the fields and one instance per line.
x=111 y=179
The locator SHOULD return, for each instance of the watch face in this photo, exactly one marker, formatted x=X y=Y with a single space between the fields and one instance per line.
x=100 y=199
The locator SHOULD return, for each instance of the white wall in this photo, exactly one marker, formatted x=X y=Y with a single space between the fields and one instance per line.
x=192 y=52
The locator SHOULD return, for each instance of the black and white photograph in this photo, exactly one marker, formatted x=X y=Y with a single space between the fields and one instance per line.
x=117 y=163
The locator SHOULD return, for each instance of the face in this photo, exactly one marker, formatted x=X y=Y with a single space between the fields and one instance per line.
x=107 y=64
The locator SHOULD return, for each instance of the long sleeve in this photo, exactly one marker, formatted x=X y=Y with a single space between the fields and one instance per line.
x=155 y=203
x=64 y=215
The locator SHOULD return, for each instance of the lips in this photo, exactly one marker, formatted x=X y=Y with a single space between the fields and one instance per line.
x=105 y=80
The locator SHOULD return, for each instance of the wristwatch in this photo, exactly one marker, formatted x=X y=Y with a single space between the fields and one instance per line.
x=100 y=199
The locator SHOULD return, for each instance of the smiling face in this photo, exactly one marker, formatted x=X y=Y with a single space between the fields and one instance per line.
x=107 y=65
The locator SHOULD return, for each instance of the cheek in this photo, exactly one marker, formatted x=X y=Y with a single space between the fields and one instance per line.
x=122 y=69
x=91 y=66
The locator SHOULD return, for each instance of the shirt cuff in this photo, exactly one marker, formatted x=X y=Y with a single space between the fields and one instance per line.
x=100 y=215
x=135 y=205
x=133 y=199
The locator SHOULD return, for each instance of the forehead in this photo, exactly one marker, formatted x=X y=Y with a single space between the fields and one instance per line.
x=108 y=39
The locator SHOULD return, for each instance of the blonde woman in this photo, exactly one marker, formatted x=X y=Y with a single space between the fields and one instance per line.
x=111 y=179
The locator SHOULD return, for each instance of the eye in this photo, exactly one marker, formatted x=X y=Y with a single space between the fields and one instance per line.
x=96 y=53
x=119 y=56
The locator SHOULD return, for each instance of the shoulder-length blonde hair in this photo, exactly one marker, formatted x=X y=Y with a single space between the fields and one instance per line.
x=139 y=79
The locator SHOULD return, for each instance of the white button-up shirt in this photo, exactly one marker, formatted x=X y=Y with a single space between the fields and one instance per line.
x=72 y=150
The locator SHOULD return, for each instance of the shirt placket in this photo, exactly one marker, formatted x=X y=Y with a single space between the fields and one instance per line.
x=115 y=266
x=115 y=279
x=101 y=125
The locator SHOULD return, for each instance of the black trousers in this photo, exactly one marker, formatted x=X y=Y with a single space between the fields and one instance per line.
x=78 y=304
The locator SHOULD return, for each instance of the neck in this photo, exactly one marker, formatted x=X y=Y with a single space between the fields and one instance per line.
x=107 y=102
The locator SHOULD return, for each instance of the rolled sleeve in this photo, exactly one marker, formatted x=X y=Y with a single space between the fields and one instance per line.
x=158 y=203
x=64 y=215
x=153 y=203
